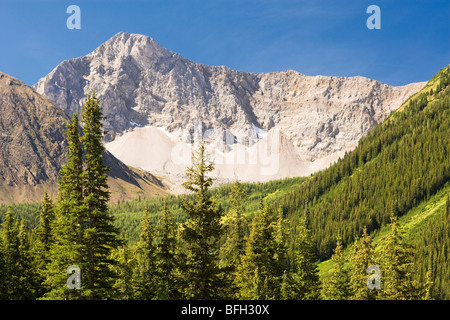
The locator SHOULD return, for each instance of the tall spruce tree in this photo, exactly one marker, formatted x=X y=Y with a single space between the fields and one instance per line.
x=146 y=260
x=43 y=239
x=165 y=255
x=201 y=233
x=84 y=234
x=260 y=272
x=100 y=234
x=68 y=244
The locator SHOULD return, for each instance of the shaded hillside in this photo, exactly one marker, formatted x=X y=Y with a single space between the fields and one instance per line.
x=33 y=149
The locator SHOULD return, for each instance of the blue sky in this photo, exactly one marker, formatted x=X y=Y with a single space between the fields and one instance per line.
x=312 y=37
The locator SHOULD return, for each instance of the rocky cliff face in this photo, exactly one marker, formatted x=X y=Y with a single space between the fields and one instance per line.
x=32 y=131
x=143 y=84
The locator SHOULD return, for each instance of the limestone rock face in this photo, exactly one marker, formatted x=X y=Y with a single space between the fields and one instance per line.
x=141 y=84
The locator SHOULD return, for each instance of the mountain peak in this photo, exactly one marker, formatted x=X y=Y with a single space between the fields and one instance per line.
x=145 y=50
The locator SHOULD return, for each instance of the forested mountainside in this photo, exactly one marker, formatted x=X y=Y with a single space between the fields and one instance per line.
x=402 y=162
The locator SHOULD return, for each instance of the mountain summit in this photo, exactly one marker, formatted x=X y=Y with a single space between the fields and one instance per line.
x=142 y=85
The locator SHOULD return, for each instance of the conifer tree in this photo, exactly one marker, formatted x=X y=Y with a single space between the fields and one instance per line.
x=201 y=233
x=68 y=246
x=165 y=255
x=43 y=239
x=260 y=272
x=397 y=260
x=124 y=287
x=43 y=232
x=338 y=286
x=286 y=287
x=84 y=234
x=19 y=280
x=146 y=260
x=26 y=268
x=100 y=235
x=363 y=257
x=305 y=277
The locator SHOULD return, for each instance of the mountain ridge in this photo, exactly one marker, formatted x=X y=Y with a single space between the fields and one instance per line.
x=143 y=84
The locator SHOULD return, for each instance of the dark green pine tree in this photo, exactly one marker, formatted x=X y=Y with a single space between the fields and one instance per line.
x=305 y=276
x=43 y=239
x=338 y=286
x=165 y=256
x=68 y=247
x=363 y=257
x=145 y=273
x=26 y=269
x=100 y=235
x=396 y=263
x=203 y=277
x=260 y=272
